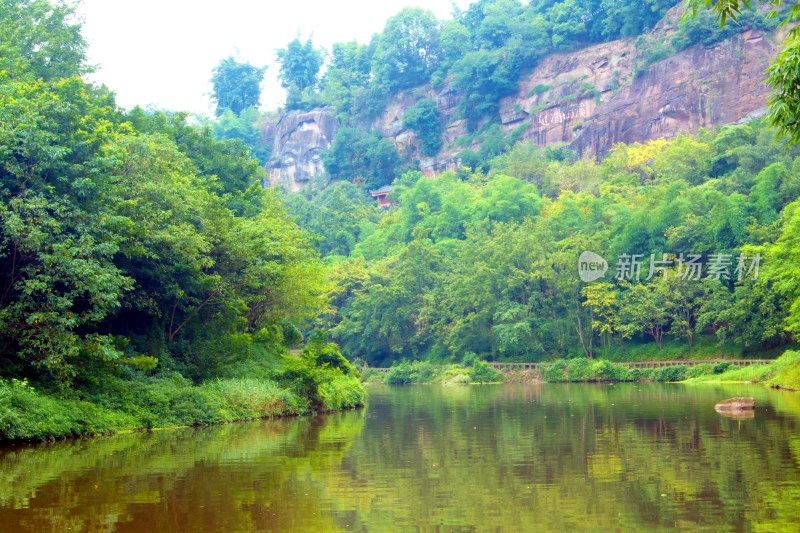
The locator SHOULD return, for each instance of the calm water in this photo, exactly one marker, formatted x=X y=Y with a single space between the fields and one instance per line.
x=435 y=458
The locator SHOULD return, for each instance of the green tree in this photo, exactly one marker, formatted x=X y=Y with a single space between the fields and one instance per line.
x=356 y=155
x=407 y=50
x=41 y=39
x=300 y=64
x=236 y=85
x=423 y=118
x=244 y=127
x=644 y=311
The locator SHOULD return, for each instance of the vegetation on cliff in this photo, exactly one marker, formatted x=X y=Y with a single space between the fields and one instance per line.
x=479 y=52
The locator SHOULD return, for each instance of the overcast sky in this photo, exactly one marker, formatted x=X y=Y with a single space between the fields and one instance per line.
x=161 y=52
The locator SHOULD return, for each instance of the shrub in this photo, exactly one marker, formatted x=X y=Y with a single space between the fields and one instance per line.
x=322 y=353
x=699 y=370
x=719 y=368
x=341 y=392
x=670 y=374
x=423 y=118
x=257 y=398
x=605 y=371
x=26 y=414
x=401 y=374
x=579 y=369
x=556 y=372
x=483 y=372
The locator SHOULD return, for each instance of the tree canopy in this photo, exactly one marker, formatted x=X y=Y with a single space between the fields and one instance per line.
x=299 y=71
x=236 y=85
x=486 y=261
x=132 y=241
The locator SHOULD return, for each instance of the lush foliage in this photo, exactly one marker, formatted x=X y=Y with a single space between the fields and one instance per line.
x=361 y=157
x=414 y=372
x=245 y=127
x=236 y=85
x=487 y=263
x=423 y=118
x=783 y=372
x=135 y=245
x=481 y=51
x=300 y=64
x=170 y=400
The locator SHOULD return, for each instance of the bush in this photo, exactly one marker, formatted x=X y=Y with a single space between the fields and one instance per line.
x=719 y=368
x=605 y=371
x=402 y=373
x=423 y=118
x=26 y=414
x=699 y=370
x=669 y=374
x=170 y=400
x=483 y=372
x=255 y=398
x=313 y=383
x=556 y=372
x=341 y=392
x=322 y=353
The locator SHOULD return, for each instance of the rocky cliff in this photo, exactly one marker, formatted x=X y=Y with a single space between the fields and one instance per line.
x=299 y=137
x=589 y=99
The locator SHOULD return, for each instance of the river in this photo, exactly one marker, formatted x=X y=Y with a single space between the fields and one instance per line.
x=547 y=457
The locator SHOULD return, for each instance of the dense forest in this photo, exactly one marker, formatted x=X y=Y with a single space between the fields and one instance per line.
x=139 y=256
x=487 y=263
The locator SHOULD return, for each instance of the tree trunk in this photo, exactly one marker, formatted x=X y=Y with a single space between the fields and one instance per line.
x=579 y=329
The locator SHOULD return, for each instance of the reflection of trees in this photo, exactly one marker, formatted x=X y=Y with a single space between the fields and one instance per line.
x=523 y=459
x=234 y=477
x=517 y=458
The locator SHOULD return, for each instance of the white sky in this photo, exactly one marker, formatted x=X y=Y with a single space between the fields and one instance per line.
x=162 y=52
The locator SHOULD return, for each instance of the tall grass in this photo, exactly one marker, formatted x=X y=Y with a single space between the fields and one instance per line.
x=249 y=398
x=27 y=414
x=406 y=372
x=170 y=400
x=782 y=372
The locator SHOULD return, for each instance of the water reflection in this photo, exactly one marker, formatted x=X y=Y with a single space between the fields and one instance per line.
x=457 y=458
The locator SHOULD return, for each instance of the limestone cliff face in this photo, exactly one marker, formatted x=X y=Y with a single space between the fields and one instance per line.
x=300 y=136
x=699 y=87
x=594 y=98
x=590 y=99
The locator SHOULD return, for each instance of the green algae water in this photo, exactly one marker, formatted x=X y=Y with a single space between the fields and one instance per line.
x=550 y=457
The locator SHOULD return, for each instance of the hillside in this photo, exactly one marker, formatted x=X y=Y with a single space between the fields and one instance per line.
x=674 y=78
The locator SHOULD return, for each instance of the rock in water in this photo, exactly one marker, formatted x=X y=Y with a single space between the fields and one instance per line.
x=736 y=404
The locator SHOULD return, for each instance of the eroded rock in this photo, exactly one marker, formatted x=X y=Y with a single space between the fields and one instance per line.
x=300 y=136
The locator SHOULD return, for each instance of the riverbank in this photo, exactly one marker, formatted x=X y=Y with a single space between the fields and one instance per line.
x=406 y=373
x=783 y=372
x=28 y=413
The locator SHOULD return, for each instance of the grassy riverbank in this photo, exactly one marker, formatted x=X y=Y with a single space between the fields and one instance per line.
x=783 y=372
x=275 y=386
x=405 y=373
